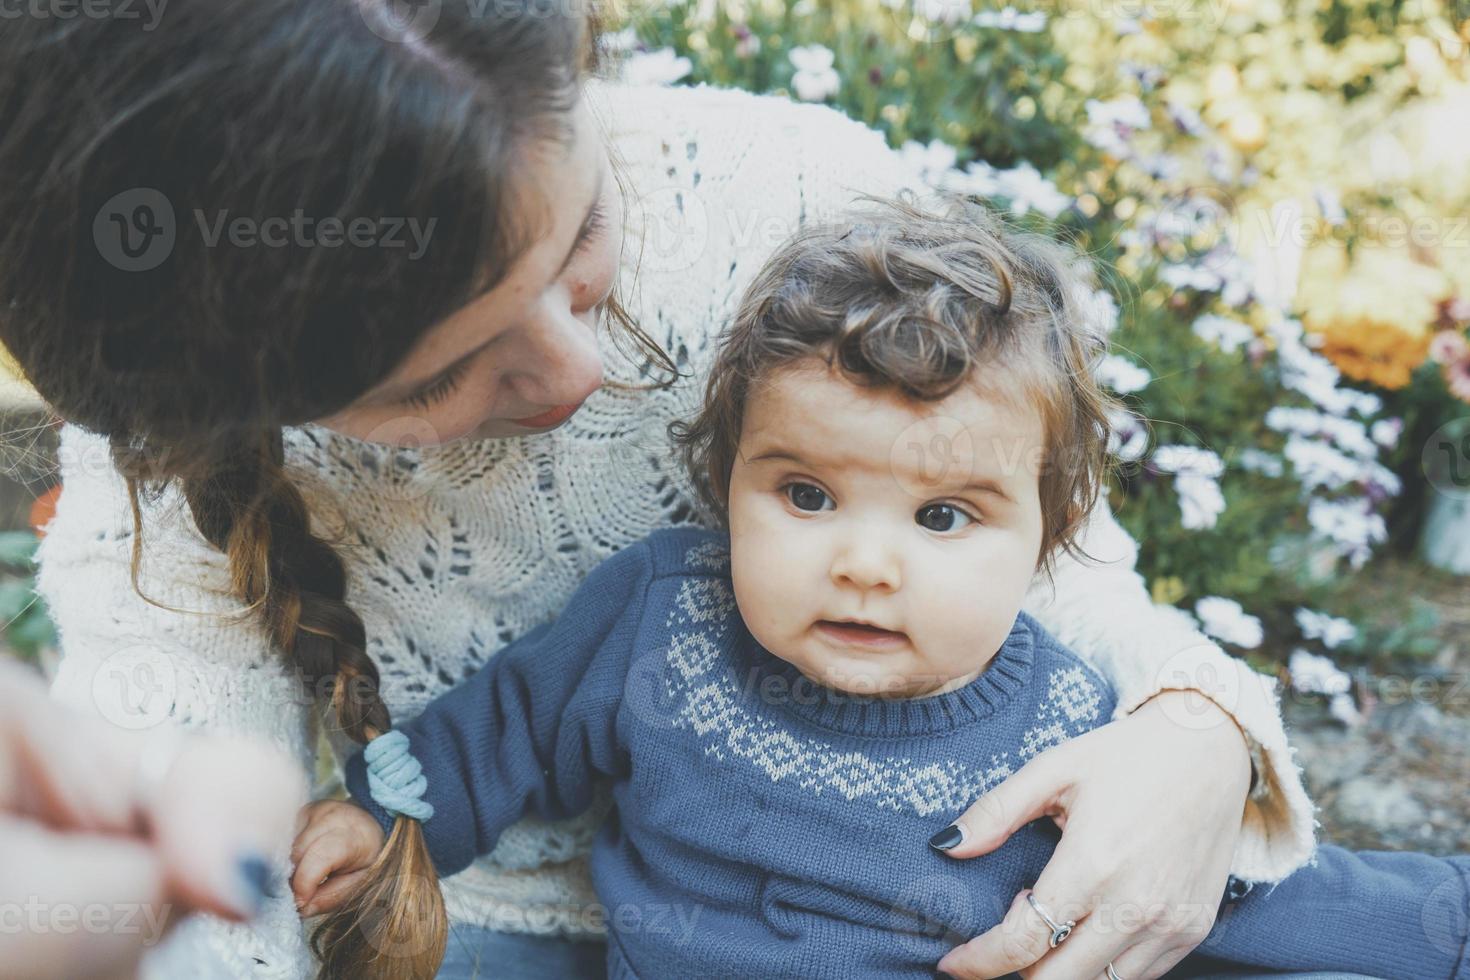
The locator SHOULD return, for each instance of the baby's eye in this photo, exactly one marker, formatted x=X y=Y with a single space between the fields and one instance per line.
x=942 y=517
x=804 y=496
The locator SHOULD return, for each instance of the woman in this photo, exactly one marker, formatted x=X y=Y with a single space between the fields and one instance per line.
x=341 y=310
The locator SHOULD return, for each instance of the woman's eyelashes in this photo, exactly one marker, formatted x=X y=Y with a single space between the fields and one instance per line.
x=941 y=517
x=440 y=389
x=446 y=383
x=596 y=224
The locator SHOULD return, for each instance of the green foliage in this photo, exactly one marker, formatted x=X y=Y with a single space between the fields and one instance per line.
x=28 y=629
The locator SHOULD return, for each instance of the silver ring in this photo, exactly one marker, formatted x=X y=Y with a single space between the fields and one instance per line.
x=1112 y=973
x=1058 y=932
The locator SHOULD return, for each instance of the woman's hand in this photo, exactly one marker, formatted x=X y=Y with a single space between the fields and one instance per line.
x=337 y=844
x=1150 y=808
x=107 y=836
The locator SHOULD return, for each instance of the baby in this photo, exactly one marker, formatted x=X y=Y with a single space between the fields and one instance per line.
x=901 y=429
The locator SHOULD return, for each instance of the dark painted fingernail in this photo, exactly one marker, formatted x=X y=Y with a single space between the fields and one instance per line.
x=254 y=875
x=947 y=838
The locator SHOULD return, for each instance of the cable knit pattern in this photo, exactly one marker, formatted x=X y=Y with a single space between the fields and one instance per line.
x=452 y=551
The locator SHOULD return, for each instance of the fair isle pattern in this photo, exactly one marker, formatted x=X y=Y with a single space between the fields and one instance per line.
x=714 y=709
x=1071 y=706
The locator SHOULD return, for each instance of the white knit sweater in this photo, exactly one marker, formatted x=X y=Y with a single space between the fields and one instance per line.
x=454 y=550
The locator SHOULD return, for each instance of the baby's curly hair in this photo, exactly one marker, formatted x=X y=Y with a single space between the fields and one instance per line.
x=922 y=298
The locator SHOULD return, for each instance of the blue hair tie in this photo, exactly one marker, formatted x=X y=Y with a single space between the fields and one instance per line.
x=396 y=781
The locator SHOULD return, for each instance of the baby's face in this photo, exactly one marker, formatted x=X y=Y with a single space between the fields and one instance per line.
x=920 y=518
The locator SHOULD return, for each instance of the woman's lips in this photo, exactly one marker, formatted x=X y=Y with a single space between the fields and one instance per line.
x=554 y=416
x=854 y=634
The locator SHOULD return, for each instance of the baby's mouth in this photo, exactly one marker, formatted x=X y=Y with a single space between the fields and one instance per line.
x=860 y=634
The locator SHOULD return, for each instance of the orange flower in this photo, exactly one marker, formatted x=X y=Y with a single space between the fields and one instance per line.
x=1365 y=350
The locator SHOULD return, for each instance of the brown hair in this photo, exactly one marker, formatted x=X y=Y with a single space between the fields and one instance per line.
x=192 y=365
x=921 y=298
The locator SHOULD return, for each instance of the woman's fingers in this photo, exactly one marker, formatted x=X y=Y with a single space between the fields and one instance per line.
x=333 y=892
x=222 y=821
x=1037 y=789
x=330 y=852
x=216 y=811
x=76 y=906
x=1098 y=940
x=1021 y=939
x=1145 y=962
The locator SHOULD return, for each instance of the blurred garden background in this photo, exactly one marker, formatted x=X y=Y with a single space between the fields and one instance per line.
x=1278 y=197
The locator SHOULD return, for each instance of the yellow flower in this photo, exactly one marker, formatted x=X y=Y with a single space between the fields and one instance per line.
x=1375 y=315
x=1247 y=130
x=1169 y=590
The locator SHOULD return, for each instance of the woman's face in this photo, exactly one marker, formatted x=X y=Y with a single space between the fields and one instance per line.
x=521 y=358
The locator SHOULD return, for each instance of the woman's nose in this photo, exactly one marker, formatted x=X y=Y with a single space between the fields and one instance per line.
x=867 y=562
x=558 y=362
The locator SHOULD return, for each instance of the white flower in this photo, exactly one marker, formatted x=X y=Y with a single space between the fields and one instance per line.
x=1342 y=708
x=1259 y=461
x=1227 y=334
x=1023 y=184
x=661 y=67
x=1349 y=524
x=1196 y=472
x=1333 y=631
x=1126 y=111
x=1127 y=435
x=1188 y=459
x=933 y=160
x=1010 y=19
x=1318 y=464
x=1196 y=277
x=1314 y=674
x=1311 y=374
x=1201 y=501
x=942 y=11
x=1098 y=311
x=1386 y=432
x=1122 y=375
x=1186 y=119
x=815 y=79
x=1225 y=620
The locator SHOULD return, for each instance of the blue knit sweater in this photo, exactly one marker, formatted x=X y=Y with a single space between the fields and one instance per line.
x=768 y=827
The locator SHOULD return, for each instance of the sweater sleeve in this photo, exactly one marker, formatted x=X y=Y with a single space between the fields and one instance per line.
x=1381 y=913
x=1101 y=609
x=531 y=729
x=194 y=660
